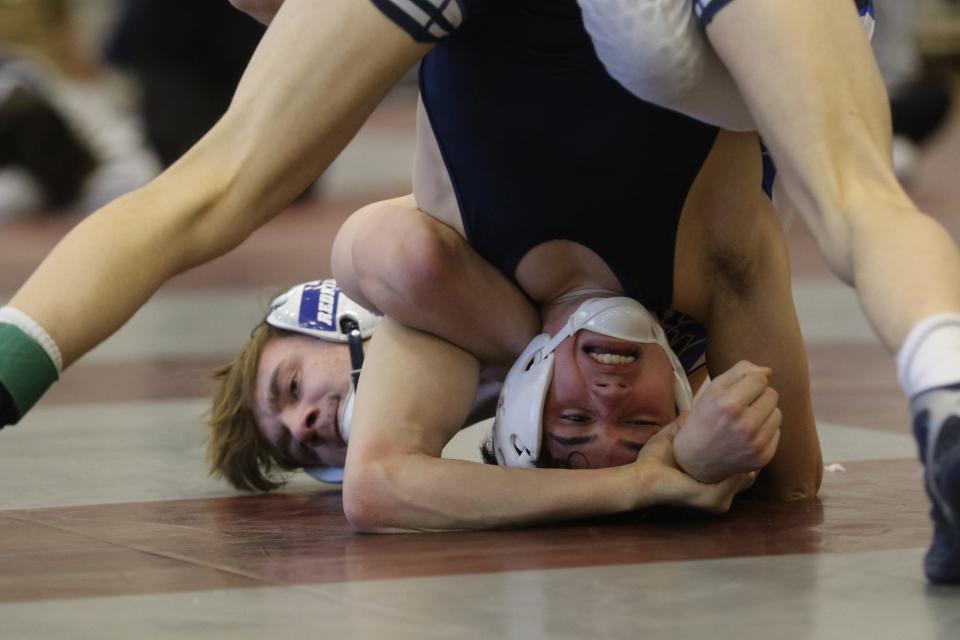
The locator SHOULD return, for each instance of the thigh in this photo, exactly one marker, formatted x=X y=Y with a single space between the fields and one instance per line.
x=392 y=257
x=358 y=246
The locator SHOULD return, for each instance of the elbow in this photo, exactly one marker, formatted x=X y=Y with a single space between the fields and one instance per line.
x=809 y=485
x=367 y=501
x=793 y=488
x=362 y=518
x=364 y=515
x=796 y=489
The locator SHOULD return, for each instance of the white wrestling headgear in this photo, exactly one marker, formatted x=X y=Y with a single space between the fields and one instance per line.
x=518 y=427
x=321 y=310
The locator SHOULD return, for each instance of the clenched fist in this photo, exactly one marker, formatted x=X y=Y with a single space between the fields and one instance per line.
x=733 y=427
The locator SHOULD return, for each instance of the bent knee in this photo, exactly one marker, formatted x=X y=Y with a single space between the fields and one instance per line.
x=425 y=247
x=421 y=256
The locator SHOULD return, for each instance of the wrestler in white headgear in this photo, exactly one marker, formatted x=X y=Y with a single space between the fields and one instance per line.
x=518 y=427
x=321 y=310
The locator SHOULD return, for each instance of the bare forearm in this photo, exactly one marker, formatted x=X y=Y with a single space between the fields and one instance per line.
x=420 y=493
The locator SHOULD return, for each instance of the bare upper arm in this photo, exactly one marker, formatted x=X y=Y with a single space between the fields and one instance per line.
x=415 y=394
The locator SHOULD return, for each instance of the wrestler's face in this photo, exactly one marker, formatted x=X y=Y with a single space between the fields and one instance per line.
x=301 y=382
x=607 y=398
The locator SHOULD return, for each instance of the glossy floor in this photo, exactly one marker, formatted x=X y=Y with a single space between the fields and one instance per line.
x=110 y=528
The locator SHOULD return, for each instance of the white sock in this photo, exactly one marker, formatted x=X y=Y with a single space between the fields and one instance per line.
x=930 y=356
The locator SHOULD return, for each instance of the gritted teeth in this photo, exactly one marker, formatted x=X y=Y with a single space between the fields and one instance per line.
x=611 y=358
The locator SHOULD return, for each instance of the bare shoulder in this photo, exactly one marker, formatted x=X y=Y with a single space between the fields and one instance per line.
x=415 y=393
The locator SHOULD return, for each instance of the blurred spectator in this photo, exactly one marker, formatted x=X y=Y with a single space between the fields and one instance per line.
x=188 y=56
x=45 y=29
x=64 y=145
x=920 y=100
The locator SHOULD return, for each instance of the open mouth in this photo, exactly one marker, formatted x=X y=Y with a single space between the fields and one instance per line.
x=611 y=352
x=611 y=357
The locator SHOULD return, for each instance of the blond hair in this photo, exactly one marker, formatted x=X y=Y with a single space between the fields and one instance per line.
x=236 y=450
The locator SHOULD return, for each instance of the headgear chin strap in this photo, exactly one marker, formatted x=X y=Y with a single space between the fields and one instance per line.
x=321 y=310
x=518 y=427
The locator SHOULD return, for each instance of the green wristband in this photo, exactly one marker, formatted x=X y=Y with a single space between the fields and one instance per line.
x=26 y=371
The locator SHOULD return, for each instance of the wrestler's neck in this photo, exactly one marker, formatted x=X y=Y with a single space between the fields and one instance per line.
x=560 y=275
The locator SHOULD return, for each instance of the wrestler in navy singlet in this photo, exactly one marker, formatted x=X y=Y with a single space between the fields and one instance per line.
x=541 y=144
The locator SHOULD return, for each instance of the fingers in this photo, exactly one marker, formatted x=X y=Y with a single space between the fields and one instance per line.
x=747 y=480
x=669 y=432
x=724 y=491
x=660 y=445
x=750 y=387
x=768 y=418
x=681 y=419
x=771 y=431
x=765 y=415
x=766 y=402
x=738 y=371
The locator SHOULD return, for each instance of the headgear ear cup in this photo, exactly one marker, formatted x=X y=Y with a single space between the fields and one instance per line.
x=516 y=428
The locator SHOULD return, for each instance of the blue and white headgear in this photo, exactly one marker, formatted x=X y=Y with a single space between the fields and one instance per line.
x=321 y=310
x=518 y=427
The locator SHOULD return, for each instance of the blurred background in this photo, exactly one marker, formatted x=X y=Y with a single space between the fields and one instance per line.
x=97 y=96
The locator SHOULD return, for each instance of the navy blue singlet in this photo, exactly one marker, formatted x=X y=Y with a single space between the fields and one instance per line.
x=541 y=144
